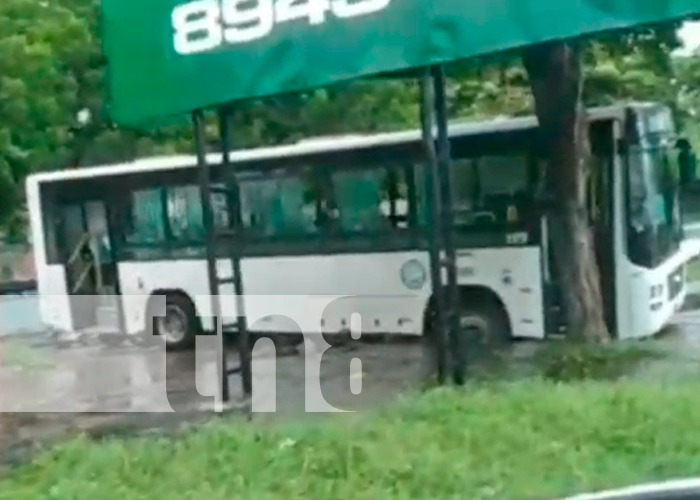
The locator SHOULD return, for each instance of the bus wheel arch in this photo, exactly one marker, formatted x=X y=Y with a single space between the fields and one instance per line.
x=177 y=322
x=482 y=311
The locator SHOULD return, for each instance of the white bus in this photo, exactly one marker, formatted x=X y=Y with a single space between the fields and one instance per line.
x=345 y=216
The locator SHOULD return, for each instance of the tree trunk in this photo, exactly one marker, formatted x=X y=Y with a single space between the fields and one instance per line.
x=556 y=78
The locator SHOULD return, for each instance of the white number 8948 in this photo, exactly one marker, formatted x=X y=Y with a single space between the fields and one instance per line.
x=203 y=25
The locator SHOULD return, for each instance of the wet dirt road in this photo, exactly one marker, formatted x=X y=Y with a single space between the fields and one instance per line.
x=37 y=375
x=48 y=389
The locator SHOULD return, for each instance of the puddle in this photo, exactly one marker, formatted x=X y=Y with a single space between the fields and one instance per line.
x=49 y=390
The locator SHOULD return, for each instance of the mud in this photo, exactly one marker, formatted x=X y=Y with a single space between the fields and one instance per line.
x=51 y=389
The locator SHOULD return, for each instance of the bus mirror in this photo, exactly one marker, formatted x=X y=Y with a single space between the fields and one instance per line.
x=687 y=163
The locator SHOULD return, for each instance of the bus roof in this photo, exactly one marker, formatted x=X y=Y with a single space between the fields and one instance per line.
x=323 y=144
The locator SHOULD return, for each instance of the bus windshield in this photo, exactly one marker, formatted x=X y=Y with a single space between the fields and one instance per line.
x=653 y=205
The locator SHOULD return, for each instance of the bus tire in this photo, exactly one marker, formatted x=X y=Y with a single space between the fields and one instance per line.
x=485 y=331
x=179 y=326
x=484 y=326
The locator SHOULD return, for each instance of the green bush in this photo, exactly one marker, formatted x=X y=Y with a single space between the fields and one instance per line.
x=524 y=440
x=568 y=361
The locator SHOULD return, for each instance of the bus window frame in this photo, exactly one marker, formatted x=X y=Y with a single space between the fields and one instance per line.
x=407 y=156
x=329 y=240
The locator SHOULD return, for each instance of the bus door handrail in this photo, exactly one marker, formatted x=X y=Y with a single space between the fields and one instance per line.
x=85 y=239
x=81 y=279
x=76 y=252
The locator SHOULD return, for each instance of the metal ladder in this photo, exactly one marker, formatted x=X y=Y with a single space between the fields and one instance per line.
x=449 y=343
x=215 y=239
x=449 y=338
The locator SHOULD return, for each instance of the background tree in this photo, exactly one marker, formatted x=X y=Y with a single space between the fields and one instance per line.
x=633 y=64
x=556 y=77
x=38 y=94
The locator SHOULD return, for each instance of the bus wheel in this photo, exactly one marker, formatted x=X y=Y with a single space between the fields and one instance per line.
x=178 y=326
x=484 y=327
x=484 y=332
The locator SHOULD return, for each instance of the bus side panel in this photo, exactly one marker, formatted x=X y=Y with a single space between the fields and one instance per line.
x=370 y=285
x=139 y=280
x=515 y=275
x=373 y=287
x=276 y=289
x=54 y=301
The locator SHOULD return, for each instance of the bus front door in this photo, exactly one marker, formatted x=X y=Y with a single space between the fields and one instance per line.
x=90 y=268
x=602 y=232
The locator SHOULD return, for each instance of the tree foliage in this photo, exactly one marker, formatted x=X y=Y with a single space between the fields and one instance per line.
x=40 y=44
x=51 y=68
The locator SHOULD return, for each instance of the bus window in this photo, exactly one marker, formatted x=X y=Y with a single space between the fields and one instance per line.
x=221 y=209
x=503 y=173
x=503 y=188
x=146 y=222
x=486 y=191
x=185 y=213
x=464 y=189
x=464 y=184
x=51 y=221
x=396 y=203
x=370 y=200
x=278 y=206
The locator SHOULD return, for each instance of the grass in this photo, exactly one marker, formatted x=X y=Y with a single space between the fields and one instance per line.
x=565 y=361
x=531 y=439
